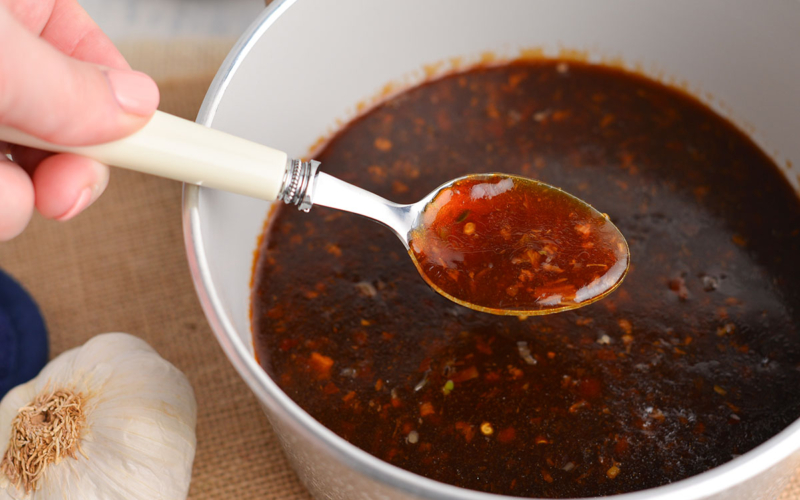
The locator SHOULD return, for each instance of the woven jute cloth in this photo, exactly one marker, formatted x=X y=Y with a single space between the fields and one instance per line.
x=121 y=266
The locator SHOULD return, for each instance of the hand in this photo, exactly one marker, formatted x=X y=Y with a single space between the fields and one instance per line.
x=61 y=79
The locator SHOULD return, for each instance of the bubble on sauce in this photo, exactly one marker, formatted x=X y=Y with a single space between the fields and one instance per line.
x=490 y=189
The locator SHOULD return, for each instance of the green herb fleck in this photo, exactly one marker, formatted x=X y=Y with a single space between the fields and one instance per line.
x=448 y=387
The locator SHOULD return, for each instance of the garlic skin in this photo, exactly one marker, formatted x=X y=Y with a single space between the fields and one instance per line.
x=137 y=440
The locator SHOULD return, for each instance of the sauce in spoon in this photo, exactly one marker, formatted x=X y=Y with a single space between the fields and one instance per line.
x=508 y=245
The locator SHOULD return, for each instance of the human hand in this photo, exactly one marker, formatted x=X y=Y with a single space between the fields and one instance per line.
x=62 y=80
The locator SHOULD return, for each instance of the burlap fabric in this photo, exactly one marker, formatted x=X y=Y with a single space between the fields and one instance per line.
x=121 y=266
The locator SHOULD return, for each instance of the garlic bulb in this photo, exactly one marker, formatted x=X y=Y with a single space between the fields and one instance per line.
x=109 y=420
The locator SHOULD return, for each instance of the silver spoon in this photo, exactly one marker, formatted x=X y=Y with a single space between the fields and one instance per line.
x=183 y=150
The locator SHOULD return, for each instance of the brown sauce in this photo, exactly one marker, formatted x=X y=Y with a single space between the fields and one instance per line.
x=694 y=360
x=510 y=245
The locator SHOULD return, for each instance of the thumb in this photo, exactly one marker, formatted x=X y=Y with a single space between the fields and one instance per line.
x=63 y=100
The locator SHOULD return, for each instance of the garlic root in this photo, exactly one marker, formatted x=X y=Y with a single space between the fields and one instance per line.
x=43 y=432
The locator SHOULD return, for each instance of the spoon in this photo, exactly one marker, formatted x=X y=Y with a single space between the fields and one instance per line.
x=496 y=243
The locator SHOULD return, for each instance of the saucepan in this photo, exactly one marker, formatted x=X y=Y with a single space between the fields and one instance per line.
x=306 y=66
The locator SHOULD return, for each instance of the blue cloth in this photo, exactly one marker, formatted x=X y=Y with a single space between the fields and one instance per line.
x=23 y=336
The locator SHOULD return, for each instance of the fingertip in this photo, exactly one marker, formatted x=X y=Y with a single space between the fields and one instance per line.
x=16 y=200
x=135 y=92
x=67 y=184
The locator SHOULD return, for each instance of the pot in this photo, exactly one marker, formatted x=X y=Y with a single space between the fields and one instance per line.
x=306 y=66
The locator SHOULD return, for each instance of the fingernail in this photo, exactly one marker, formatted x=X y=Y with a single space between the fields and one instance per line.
x=135 y=92
x=83 y=201
x=88 y=195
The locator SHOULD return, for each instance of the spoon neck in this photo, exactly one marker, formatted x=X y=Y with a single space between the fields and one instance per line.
x=304 y=186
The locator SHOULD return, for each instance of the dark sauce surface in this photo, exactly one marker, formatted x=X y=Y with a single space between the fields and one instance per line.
x=691 y=362
x=511 y=245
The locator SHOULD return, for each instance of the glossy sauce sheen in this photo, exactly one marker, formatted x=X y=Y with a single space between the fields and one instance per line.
x=509 y=245
x=692 y=361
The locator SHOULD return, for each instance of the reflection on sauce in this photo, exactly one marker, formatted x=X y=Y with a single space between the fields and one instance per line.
x=509 y=245
x=693 y=361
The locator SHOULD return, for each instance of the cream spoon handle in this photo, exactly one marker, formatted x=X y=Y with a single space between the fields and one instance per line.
x=185 y=151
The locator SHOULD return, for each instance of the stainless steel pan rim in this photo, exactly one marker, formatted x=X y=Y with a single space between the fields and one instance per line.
x=700 y=486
